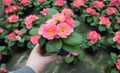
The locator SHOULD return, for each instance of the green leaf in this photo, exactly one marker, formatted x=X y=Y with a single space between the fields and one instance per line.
x=53 y=46
x=42 y=41
x=2 y=48
x=23 y=31
x=34 y=31
x=114 y=57
x=110 y=41
x=89 y=19
x=74 y=39
x=114 y=71
x=81 y=56
x=93 y=24
x=118 y=47
x=30 y=45
x=69 y=59
x=51 y=12
x=77 y=23
x=102 y=28
x=69 y=48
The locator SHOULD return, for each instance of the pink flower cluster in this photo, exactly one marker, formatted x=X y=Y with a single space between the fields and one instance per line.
x=24 y=2
x=59 y=3
x=93 y=37
x=118 y=64
x=58 y=26
x=117 y=37
x=105 y=21
x=29 y=20
x=3 y=70
x=115 y=2
x=111 y=10
x=45 y=11
x=67 y=11
x=78 y=3
x=15 y=35
x=1 y=30
x=13 y=19
x=40 y=1
x=34 y=39
x=7 y=2
x=11 y=9
x=99 y=4
x=91 y=11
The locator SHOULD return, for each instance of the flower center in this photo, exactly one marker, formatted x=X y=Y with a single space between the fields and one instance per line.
x=63 y=30
x=59 y=19
x=50 y=31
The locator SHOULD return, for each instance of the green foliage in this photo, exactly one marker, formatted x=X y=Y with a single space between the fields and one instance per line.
x=69 y=59
x=34 y=31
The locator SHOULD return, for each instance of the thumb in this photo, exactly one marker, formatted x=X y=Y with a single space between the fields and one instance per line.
x=50 y=59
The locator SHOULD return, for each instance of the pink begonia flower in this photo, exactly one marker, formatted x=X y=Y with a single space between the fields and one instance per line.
x=34 y=39
x=45 y=11
x=105 y=21
x=117 y=37
x=7 y=2
x=99 y=4
x=64 y=30
x=93 y=37
x=48 y=31
x=29 y=20
x=25 y=2
x=67 y=11
x=40 y=1
x=13 y=19
x=78 y=3
x=4 y=70
x=1 y=30
x=51 y=21
x=72 y=53
x=18 y=32
x=59 y=17
x=118 y=20
x=111 y=10
x=11 y=9
x=91 y=11
x=59 y=3
x=18 y=37
x=118 y=64
x=11 y=36
x=0 y=56
x=115 y=2
x=69 y=21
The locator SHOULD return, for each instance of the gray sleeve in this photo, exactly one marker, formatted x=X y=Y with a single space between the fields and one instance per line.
x=24 y=69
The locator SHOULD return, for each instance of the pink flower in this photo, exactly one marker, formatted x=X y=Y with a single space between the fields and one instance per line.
x=105 y=21
x=115 y=2
x=40 y=1
x=24 y=2
x=18 y=32
x=11 y=9
x=1 y=30
x=3 y=70
x=48 y=31
x=59 y=3
x=13 y=19
x=118 y=64
x=78 y=3
x=117 y=37
x=51 y=21
x=34 y=39
x=11 y=36
x=29 y=20
x=72 y=53
x=59 y=17
x=93 y=37
x=69 y=21
x=111 y=10
x=67 y=11
x=45 y=11
x=18 y=37
x=64 y=30
x=90 y=11
x=99 y=4
x=7 y=2
x=118 y=20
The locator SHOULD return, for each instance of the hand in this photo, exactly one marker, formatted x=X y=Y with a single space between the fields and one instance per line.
x=38 y=62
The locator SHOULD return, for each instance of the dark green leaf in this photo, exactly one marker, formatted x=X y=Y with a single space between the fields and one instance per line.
x=69 y=59
x=42 y=41
x=2 y=48
x=77 y=23
x=34 y=31
x=81 y=55
x=114 y=57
